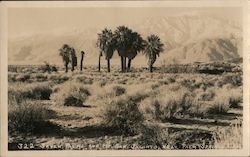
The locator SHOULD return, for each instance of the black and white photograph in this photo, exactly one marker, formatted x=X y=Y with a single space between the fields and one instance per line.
x=116 y=76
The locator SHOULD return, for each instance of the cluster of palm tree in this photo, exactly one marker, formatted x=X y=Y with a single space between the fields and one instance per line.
x=128 y=44
x=68 y=55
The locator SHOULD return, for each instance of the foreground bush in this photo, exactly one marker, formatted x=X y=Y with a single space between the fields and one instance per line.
x=27 y=117
x=123 y=115
x=219 y=106
x=38 y=91
x=230 y=137
x=153 y=136
x=168 y=106
x=71 y=94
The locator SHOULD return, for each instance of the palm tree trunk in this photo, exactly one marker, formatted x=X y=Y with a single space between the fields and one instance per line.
x=66 y=68
x=151 y=68
x=122 y=67
x=129 y=64
x=82 y=55
x=108 y=62
x=99 y=63
x=124 y=64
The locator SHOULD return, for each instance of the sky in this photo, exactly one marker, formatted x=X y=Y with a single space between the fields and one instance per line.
x=26 y=21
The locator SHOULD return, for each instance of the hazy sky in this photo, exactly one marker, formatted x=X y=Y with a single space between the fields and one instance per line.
x=24 y=21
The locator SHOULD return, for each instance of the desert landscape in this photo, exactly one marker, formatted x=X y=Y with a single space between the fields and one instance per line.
x=160 y=83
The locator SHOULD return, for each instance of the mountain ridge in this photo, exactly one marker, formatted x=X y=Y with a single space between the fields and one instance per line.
x=181 y=35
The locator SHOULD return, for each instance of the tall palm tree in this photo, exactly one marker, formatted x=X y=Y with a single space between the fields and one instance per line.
x=137 y=45
x=99 y=61
x=73 y=59
x=123 y=42
x=65 y=54
x=106 y=43
x=82 y=57
x=153 y=48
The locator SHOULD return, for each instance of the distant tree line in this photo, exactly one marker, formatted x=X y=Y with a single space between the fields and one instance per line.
x=125 y=42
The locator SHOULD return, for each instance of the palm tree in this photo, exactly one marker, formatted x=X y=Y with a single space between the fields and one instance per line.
x=106 y=43
x=153 y=48
x=99 y=61
x=64 y=53
x=123 y=43
x=73 y=59
x=137 y=45
x=82 y=57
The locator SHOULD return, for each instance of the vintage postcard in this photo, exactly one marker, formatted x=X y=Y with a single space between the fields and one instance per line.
x=125 y=78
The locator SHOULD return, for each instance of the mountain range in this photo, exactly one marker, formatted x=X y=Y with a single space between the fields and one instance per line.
x=186 y=38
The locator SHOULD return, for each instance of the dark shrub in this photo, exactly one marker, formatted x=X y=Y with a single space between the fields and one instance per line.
x=118 y=90
x=124 y=115
x=71 y=94
x=235 y=101
x=41 y=77
x=48 y=68
x=30 y=91
x=58 y=78
x=27 y=117
x=23 y=77
x=234 y=79
x=72 y=101
x=40 y=93
x=220 y=106
x=153 y=137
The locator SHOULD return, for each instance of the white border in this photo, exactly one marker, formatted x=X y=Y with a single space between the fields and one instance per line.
x=197 y=3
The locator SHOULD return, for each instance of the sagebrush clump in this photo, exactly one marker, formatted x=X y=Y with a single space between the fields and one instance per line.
x=220 y=105
x=71 y=94
x=38 y=91
x=169 y=106
x=124 y=116
x=27 y=117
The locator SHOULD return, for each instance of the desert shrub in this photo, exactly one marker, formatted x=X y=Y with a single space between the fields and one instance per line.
x=220 y=105
x=12 y=68
x=85 y=80
x=123 y=115
x=235 y=97
x=23 y=77
x=234 y=79
x=191 y=139
x=58 y=78
x=110 y=91
x=48 y=68
x=190 y=84
x=102 y=83
x=155 y=85
x=198 y=109
x=169 y=106
x=12 y=77
x=235 y=100
x=138 y=96
x=71 y=94
x=206 y=95
x=153 y=137
x=122 y=81
x=118 y=90
x=27 y=117
x=38 y=91
x=230 y=137
x=40 y=77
